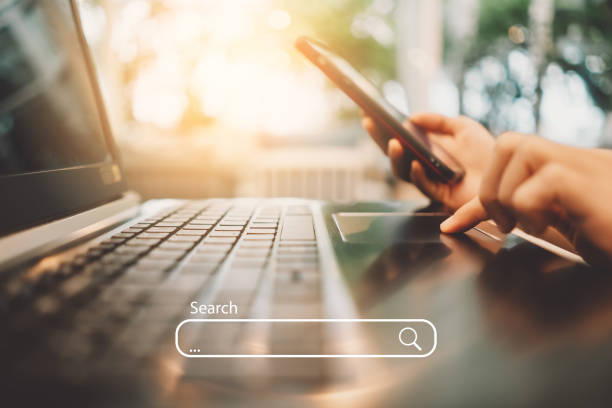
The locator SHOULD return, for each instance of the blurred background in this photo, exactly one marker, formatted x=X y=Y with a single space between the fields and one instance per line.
x=209 y=98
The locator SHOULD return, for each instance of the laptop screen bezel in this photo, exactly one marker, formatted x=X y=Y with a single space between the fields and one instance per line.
x=31 y=199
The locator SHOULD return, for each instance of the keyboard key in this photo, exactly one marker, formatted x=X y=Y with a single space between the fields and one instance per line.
x=197 y=226
x=183 y=216
x=307 y=269
x=168 y=224
x=224 y=233
x=159 y=235
x=271 y=220
x=161 y=229
x=234 y=223
x=298 y=209
x=261 y=231
x=211 y=214
x=296 y=294
x=296 y=275
x=74 y=285
x=142 y=276
x=142 y=225
x=198 y=232
x=207 y=258
x=226 y=240
x=298 y=228
x=206 y=247
x=180 y=287
x=106 y=246
x=297 y=258
x=252 y=253
x=114 y=241
x=210 y=218
x=134 y=250
x=251 y=237
x=118 y=259
x=288 y=250
x=245 y=280
x=176 y=245
x=132 y=230
x=79 y=261
x=198 y=268
x=286 y=244
x=249 y=262
x=201 y=222
x=256 y=244
x=143 y=242
x=165 y=254
x=154 y=264
x=93 y=253
x=184 y=238
x=186 y=213
x=264 y=225
x=124 y=235
x=229 y=228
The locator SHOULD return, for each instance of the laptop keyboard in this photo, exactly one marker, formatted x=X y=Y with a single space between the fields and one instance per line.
x=104 y=298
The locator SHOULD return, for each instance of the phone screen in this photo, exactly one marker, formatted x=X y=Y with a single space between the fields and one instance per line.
x=369 y=98
x=364 y=84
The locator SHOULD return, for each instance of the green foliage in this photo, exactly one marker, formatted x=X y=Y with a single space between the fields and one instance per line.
x=496 y=17
x=583 y=25
x=590 y=29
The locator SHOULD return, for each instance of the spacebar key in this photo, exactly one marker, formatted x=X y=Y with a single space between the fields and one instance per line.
x=298 y=228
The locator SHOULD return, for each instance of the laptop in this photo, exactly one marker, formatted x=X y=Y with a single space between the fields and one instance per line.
x=107 y=301
x=95 y=282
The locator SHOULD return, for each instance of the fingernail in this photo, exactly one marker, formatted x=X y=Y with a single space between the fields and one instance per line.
x=446 y=224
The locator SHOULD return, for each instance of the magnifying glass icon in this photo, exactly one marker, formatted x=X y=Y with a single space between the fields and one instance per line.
x=409 y=343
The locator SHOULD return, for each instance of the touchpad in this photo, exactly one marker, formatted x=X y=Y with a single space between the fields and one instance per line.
x=389 y=227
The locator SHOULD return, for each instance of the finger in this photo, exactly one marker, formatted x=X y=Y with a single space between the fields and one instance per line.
x=446 y=143
x=467 y=216
x=536 y=201
x=419 y=178
x=527 y=159
x=434 y=122
x=489 y=197
x=379 y=136
x=516 y=172
x=400 y=160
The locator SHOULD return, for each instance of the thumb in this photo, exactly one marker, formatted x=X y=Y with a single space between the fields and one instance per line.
x=467 y=216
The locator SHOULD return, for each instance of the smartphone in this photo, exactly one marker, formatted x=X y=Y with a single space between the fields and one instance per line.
x=441 y=165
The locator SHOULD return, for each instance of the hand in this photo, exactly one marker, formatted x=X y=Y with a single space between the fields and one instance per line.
x=465 y=139
x=538 y=184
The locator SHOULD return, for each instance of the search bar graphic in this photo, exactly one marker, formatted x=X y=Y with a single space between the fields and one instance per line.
x=306 y=338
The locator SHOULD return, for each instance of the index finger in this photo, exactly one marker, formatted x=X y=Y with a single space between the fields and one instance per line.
x=467 y=216
x=435 y=122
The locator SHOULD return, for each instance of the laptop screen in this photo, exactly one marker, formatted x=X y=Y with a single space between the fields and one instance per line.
x=49 y=119
x=52 y=126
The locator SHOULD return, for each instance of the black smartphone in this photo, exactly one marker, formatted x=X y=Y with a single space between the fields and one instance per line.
x=440 y=165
